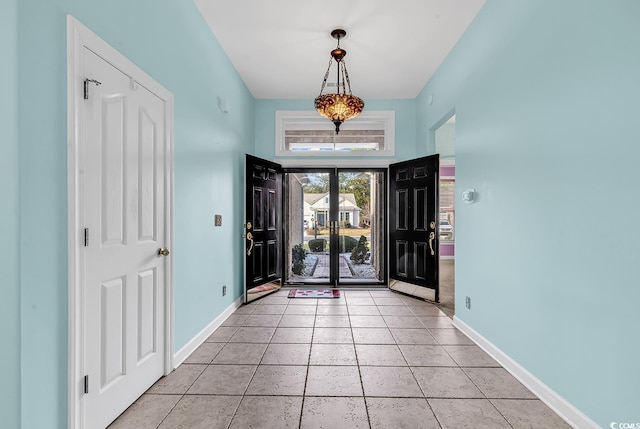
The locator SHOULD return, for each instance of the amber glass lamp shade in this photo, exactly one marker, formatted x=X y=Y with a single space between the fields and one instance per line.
x=339 y=107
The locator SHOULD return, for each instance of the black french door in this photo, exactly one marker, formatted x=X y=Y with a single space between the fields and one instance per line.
x=263 y=226
x=304 y=226
x=413 y=222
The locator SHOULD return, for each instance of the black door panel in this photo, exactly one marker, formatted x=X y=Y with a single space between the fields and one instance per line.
x=263 y=227
x=413 y=225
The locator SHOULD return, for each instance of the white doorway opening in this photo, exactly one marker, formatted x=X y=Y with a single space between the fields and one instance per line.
x=444 y=138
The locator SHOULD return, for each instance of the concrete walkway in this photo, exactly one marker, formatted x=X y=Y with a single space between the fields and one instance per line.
x=323 y=267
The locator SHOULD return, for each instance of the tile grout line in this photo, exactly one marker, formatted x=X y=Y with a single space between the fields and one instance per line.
x=182 y=396
x=452 y=344
x=306 y=378
x=409 y=366
x=420 y=387
x=170 y=411
x=486 y=398
x=355 y=349
x=244 y=394
x=241 y=397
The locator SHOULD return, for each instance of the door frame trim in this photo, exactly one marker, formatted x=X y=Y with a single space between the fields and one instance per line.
x=79 y=37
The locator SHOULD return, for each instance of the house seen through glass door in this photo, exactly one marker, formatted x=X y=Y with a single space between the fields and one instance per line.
x=335 y=227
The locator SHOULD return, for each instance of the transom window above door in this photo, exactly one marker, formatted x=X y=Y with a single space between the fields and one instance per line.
x=301 y=133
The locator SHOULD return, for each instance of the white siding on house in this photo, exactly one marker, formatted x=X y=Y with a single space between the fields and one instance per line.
x=317 y=206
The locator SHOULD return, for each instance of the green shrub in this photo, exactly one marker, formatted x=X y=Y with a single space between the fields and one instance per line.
x=298 y=255
x=360 y=253
x=317 y=245
x=346 y=243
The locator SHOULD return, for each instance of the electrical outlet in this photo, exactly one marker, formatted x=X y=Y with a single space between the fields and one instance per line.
x=218 y=220
x=467 y=302
x=224 y=290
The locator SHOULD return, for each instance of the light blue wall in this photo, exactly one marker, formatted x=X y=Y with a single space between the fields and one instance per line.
x=265 y=120
x=171 y=42
x=546 y=96
x=9 y=218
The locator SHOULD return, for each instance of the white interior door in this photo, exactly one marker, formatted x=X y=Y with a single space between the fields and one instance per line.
x=122 y=187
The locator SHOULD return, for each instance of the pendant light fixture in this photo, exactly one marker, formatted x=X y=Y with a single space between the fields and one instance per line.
x=342 y=105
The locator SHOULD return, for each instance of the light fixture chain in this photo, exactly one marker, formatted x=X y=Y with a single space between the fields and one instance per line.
x=326 y=76
x=346 y=77
x=339 y=106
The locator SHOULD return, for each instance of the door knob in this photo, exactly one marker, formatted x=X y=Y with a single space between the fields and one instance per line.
x=163 y=252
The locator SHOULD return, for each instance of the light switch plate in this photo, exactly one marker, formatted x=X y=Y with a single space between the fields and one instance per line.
x=218 y=220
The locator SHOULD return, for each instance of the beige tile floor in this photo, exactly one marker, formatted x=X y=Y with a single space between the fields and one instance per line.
x=370 y=359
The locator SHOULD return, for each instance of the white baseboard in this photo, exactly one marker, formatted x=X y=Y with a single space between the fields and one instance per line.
x=182 y=354
x=557 y=403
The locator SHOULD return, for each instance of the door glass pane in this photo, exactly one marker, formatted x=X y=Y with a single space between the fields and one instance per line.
x=361 y=226
x=308 y=208
x=359 y=221
x=445 y=137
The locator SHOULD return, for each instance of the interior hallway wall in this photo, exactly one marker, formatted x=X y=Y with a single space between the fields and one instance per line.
x=9 y=218
x=172 y=43
x=546 y=101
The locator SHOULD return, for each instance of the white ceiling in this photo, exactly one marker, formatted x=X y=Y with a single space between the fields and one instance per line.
x=281 y=48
